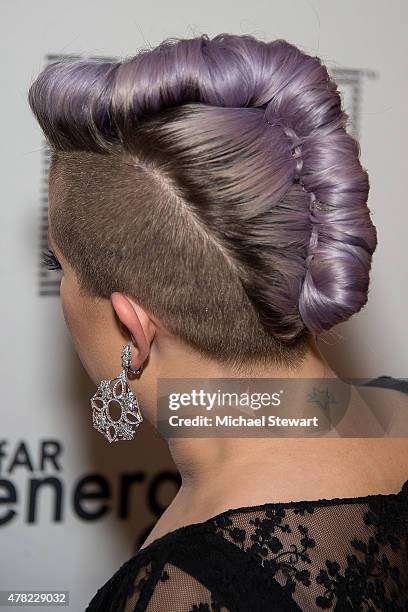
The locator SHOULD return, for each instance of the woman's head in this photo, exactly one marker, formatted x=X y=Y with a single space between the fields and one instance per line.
x=183 y=178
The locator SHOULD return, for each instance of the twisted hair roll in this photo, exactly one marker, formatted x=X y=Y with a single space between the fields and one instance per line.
x=248 y=140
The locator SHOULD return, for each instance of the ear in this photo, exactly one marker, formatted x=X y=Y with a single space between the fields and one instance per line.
x=137 y=321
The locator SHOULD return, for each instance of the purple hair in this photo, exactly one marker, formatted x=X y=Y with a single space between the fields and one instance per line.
x=278 y=108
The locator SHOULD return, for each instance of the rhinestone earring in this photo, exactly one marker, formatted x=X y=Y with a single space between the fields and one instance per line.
x=117 y=390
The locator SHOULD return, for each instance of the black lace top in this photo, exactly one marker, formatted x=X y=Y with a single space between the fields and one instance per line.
x=338 y=554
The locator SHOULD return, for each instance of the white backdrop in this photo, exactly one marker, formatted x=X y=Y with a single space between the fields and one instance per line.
x=56 y=539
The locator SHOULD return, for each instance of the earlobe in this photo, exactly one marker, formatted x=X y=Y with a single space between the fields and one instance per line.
x=126 y=309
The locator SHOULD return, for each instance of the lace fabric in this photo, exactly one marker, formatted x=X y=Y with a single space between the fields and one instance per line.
x=335 y=554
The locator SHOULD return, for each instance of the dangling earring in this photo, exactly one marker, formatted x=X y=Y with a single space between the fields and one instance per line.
x=117 y=390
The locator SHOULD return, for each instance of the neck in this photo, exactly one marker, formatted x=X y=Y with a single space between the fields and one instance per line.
x=214 y=469
x=222 y=473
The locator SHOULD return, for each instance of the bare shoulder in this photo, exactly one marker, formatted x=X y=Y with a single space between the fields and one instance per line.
x=390 y=407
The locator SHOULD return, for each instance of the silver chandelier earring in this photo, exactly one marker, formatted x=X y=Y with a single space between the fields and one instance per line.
x=117 y=390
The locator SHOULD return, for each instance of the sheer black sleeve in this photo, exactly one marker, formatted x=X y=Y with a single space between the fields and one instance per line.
x=337 y=554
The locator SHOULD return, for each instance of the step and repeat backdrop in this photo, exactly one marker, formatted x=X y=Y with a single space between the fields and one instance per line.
x=72 y=507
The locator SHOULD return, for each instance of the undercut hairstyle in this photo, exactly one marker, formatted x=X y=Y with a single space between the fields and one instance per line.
x=175 y=179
